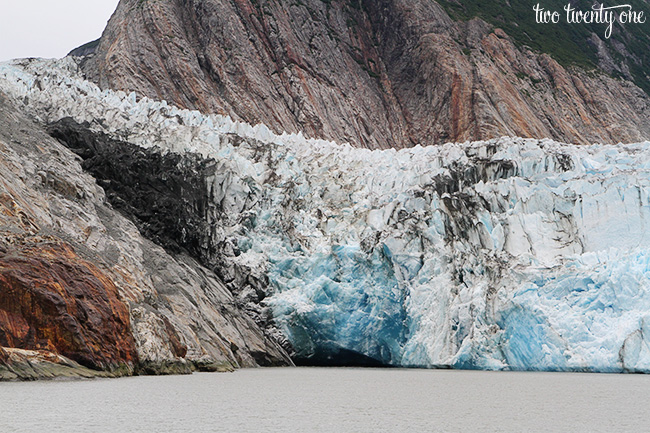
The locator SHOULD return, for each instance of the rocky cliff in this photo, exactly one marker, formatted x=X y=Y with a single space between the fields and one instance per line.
x=83 y=293
x=54 y=300
x=378 y=74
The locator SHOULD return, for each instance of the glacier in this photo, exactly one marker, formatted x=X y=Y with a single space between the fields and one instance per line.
x=507 y=254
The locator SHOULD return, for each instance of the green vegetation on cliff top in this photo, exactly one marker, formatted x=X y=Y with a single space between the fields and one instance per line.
x=569 y=44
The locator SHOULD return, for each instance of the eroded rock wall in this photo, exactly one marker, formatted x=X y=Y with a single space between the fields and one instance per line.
x=78 y=279
x=377 y=74
x=54 y=300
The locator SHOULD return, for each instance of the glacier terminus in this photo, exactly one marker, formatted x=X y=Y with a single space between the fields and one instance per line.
x=508 y=254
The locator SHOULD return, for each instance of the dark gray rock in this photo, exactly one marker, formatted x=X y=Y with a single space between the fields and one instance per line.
x=182 y=317
x=85 y=50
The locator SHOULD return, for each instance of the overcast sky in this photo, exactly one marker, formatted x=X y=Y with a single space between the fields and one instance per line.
x=50 y=28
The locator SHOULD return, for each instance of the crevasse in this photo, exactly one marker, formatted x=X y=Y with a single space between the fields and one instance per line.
x=501 y=254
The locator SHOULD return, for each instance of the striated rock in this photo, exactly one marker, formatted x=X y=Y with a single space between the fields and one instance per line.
x=180 y=202
x=621 y=54
x=74 y=272
x=378 y=74
x=54 y=300
x=20 y=364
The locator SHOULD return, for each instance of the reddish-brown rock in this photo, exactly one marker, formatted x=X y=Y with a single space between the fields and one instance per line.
x=65 y=255
x=381 y=73
x=51 y=299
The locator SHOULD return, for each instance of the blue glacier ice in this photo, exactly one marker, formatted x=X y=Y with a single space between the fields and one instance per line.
x=504 y=254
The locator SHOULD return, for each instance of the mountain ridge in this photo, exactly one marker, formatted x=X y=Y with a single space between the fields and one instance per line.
x=377 y=74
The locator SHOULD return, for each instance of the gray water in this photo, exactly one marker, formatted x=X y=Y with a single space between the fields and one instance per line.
x=333 y=400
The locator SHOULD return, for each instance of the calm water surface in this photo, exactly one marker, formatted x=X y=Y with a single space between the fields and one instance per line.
x=333 y=400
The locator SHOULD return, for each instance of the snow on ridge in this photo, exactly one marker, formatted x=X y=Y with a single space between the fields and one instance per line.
x=508 y=253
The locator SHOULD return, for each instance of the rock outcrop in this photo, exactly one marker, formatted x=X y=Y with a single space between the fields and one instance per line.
x=21 y=364
x=54 y=300
x=81 y=288
x=378 y=74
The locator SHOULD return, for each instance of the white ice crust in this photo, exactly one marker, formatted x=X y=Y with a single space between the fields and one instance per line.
x=503 y=254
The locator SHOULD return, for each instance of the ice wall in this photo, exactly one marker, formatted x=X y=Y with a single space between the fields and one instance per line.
x=504 y=254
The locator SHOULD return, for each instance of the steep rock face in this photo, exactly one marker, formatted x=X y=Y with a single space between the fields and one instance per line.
x=622 y=53
x=69 y=261
x=54 y=300
x=175 y=200
x=378 y=74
